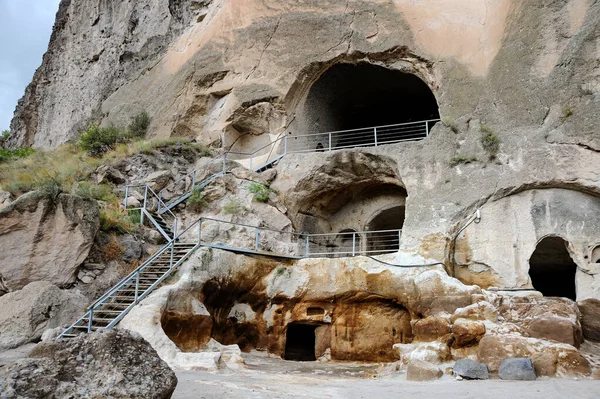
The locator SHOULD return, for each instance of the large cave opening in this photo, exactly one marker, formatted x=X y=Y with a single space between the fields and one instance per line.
x=355 y=96
x=300 y=342
x=552 y=269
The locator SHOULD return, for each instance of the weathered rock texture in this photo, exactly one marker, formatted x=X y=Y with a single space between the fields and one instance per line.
x=45 y=240
x=111 y=363
x=39 y=306
x=355 y=309
x=227 y=72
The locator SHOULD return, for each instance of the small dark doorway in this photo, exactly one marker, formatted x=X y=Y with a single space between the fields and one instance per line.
x=552 y=270
x=300 y=342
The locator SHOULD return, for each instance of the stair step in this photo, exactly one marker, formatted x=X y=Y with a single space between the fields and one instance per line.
x=69 y=335
x=101 y=311
x=100 y=320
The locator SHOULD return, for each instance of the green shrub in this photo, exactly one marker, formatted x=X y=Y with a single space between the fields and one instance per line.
x=233 y=207
x=5 y=134
x=450 y=123
x=567 y=112
x=490 y=141
x=261 y=193
x=100 y=192
x=7 y=155
x=135 y=215
x=97 y=140
x=461 y=158
x=116 y=219
x=139 y=125
x=49 y=187
x=196 y=201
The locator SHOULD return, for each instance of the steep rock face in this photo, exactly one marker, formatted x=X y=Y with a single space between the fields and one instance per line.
x=46 y=240
x=247 y=67
x=96 y=47
x=111 y=363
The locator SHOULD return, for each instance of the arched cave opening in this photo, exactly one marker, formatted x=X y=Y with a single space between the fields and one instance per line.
x=552 y=269
x=300 y=342
x=354 y=96
x=387 y=224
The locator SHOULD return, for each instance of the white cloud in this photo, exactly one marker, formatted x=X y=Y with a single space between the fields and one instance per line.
x=25 y=28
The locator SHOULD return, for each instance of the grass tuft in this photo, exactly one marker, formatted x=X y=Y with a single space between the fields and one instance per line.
x=489 y=141
x=261 y=193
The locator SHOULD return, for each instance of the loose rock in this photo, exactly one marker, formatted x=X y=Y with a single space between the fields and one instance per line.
x=470 y=369
x=517 y=369
x=419 y=370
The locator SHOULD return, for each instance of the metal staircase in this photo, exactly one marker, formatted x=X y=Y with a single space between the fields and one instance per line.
x=111 y=307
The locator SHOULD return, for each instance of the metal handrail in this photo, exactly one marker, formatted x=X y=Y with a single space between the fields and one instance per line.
x=369 y=128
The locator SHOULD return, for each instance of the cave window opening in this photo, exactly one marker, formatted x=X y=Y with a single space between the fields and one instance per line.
x=596 y=255
x=300 y=342
x=552 y=269
x=384 y=231
x=351 y=99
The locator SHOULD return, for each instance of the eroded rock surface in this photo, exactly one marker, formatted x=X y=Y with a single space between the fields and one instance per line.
x=112 y=363
x=25 y=314
x=45 y=240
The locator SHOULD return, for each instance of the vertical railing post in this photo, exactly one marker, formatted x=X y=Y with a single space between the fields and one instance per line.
x=126 y=196
x=256 y=239
x=90 y=320
x=172 y=254
x=353 y=243
x=137 y=286
x=306 y=249
x=329 y=141
x=175 y=228
x=284 y=145
x=375 y=130
x=251 y=162
x=426 y=128
x=144 y=206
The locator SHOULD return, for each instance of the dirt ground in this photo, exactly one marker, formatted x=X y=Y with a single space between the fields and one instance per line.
x=268 y=377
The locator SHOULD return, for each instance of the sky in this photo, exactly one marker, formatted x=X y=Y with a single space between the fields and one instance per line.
x=25 y=28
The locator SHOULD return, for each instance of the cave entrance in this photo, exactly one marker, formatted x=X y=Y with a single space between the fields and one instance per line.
x=383 y=235
x=552 y=269
x=363 y=95
x=300 y=342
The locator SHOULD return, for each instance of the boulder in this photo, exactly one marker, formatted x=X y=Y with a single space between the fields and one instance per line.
x=111 y=363
x=556 y=328
x=590 y=318
x=133 y=248
x=470 y=369
x=25 y=314
x=494 y=349
x=419 y=370
x=158 y=180
x=110 y=174
x=545 y=364
x=45 y=239
x=5 y=198
x=467 y=332
x=430 y=328
x=517 y=369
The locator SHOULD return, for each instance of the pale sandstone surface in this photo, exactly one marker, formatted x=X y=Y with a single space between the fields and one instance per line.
x=39 y=306
x=45 y=239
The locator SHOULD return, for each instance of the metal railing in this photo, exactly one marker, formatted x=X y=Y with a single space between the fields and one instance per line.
x=139 y=292
x=278 y=148
x=152 y=201
x=248 y=239
x=364 y=137
x=264 y=240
